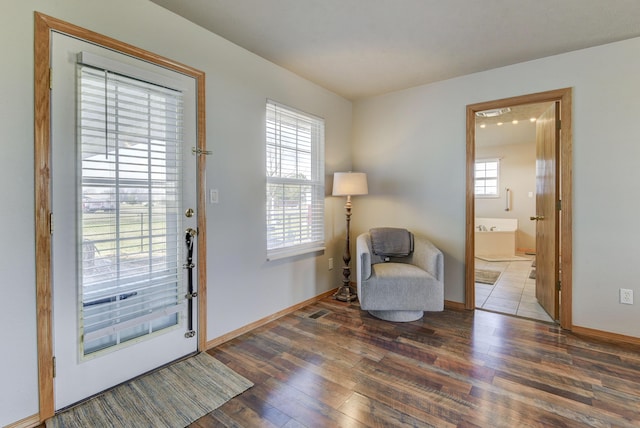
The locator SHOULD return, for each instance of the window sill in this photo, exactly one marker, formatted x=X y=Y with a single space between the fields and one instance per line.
x=286 y=253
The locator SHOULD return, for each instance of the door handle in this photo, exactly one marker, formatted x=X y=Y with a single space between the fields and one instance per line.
x=536 y=218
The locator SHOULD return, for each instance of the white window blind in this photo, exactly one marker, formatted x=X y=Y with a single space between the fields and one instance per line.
x=487 y=177
x=130 y=183
x=295 y=181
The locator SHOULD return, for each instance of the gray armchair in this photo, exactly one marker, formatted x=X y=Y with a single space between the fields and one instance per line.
x=400 y=275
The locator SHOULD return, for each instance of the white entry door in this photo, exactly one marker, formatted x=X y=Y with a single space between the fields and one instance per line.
x=124 y=179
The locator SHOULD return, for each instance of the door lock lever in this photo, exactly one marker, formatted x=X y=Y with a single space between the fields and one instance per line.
x=536 y=218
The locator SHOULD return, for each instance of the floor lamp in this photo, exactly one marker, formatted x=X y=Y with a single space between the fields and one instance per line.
x=348 y=184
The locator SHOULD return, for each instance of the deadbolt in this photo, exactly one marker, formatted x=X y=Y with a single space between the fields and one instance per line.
x=189 y=212
x=536 y=218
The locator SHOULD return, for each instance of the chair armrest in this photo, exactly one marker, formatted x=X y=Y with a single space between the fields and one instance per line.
x=363 y=259
x=428 y=257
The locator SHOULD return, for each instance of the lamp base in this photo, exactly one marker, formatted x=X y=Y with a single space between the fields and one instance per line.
x=345 y=294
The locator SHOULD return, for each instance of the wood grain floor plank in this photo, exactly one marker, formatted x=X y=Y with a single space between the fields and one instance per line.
x=497 y=409
x=620 y=403
x=561 y=378
x=263 y=410
x=553 y=405
x=242 y=364
x=303 y=408
x=236 y=414
x=328 y=341
x=543 y=386
x=621 y=385
x=466 y=369
x=627 y=373
x=374 y=413
x=416 y=405
x=329 y=370
x=307 y=382
x=447 y=382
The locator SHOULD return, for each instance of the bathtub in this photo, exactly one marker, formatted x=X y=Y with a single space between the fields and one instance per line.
x=495 y=237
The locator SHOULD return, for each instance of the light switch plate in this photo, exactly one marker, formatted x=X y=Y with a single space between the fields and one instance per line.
x=213 y=196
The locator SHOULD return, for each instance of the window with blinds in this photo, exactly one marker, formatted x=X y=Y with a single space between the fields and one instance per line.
x=487 y=177
x=295 y=182
x=130 y=247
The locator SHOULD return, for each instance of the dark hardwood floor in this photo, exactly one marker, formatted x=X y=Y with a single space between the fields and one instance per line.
x=331 y=364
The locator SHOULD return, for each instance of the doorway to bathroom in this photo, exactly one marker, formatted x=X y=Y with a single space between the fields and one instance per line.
x=518 y=206
x=505 y=189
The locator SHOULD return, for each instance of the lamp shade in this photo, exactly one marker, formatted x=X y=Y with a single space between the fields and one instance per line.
x=349 y=183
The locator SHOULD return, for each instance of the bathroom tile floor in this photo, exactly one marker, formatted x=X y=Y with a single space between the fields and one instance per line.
x=513 y=293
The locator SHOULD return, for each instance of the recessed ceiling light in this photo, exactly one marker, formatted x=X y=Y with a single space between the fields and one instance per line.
x=483 y=126
x=499 y=123
x=533 y=119
x=493 y=112
x=515 y=122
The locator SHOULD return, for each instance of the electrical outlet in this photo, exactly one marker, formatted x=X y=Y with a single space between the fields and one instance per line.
x=330 y=263
x=626 y=296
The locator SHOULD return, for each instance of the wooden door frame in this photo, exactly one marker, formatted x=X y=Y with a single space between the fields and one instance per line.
x=44 y=26
x=564 y=96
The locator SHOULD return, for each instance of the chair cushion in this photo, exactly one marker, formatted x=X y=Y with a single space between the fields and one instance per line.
x=391 y=242
x=395 y=286
x=399 y=272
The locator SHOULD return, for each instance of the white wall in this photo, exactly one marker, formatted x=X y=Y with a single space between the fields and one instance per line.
x=518 y=173
x=242 y=287
x=412 y=145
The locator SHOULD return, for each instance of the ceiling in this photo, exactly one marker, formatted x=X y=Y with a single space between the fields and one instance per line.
x=513 y=127
x=362 y=48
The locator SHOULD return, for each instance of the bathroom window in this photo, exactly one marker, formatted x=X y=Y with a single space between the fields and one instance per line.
x=487 y=178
